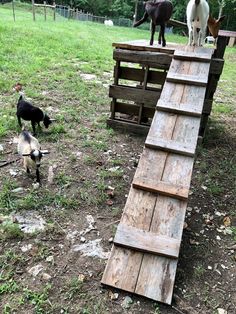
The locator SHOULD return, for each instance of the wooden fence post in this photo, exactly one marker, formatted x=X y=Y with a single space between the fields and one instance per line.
x=68 y=12
x=54 y=11
x=45 y=10
x=33 y=10
x=13 y=10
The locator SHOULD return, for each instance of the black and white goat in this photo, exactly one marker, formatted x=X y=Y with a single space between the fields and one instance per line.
x=29 y=149
x=28 y=112
x=159 y=12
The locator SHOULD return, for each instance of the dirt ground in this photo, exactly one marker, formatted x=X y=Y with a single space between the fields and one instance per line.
x=85 y=182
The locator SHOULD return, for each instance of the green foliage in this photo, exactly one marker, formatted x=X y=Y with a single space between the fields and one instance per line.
x=10 y=230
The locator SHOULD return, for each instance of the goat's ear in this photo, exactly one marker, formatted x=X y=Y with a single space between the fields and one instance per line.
x=25 y=155
x=221 y=18
x=211 y=19
x=45 y=152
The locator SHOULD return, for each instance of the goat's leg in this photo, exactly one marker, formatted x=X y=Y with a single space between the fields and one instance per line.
x=195 y=36
x=19 y=121
x=153 y=29
x=162 y=34
x=33 y=127
x=143 y=19
x=37 y=175
x=202 y=34
x=25 y=164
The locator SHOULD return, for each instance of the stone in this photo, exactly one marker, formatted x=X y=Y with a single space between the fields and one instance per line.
x=127 y=302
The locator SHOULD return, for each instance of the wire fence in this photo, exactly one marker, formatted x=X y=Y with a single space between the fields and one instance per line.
x=80 y=15
x=45 y=11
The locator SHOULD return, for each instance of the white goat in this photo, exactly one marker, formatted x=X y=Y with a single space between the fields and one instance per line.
x=29 y=149
x=197 y=17
x=108 y=23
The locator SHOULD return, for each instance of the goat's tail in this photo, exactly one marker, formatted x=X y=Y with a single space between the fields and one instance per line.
x=197 y=2
x=143 y=19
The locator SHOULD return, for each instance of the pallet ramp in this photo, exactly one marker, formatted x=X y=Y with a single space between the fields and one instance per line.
x=146 y=246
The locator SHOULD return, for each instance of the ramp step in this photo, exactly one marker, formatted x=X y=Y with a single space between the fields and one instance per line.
x=170 y=146
x=163 y=188
x=146 y=241
x=192 y=56
x=179 y=108
x=186 y=79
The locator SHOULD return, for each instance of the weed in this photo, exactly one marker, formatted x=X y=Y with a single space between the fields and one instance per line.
x=74 y=288
x=9 y=287
x=7 y=200
x=10 y=230
x=39 y=299
x=233 y=230
x=199 y=271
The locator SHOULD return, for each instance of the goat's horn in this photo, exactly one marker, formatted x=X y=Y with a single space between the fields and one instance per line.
x=52 y=119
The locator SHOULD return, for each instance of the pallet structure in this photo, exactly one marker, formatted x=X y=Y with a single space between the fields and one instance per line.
x=147 y=242
x=139 y=75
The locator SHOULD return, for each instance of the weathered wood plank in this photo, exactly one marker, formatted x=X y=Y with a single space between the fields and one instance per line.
x=131 y=93
x=178 y=108
x=145 y=58
x=186 y=79
x=143 y=45
x=133 y=109
x=170 y=146
x=191 y=56
x=146 y=241
x=163 y=188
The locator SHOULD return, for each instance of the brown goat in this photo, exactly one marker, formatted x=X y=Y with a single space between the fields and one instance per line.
x=214 y=25
x=159 y=12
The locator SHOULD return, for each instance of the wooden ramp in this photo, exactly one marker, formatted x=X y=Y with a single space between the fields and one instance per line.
x=147 y=242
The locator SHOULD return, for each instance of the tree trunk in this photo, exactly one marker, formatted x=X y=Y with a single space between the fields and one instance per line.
x=136 y=11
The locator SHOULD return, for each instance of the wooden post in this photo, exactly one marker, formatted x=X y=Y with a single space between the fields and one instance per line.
x=68 y=13
x=45 y=10
x=13 y=10
x=33 y=10
x=221 y=45
x=54 y=11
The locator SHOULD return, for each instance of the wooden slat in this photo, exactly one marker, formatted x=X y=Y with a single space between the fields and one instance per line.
x=133 y=74
x=133 y=109
x=163 y=188
x=131 y=93
x=146 y=241
x=170 y=146
x=178 y=108
x=128 y=126
x=186 y=79
x=143 y=57
x=192 y=56
x=143 y=45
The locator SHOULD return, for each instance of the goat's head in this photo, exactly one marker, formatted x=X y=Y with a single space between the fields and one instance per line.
x=214 y=25
x=36 y=155
x=46 y=121
x=18 y=87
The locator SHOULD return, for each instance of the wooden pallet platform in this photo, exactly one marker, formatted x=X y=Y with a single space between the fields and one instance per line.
x=146 y=246
x=141 y=70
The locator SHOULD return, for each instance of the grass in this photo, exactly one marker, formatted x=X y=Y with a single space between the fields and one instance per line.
x=48 y=58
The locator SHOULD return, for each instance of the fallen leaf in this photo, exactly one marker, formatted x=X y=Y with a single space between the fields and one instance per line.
x=227 y=221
